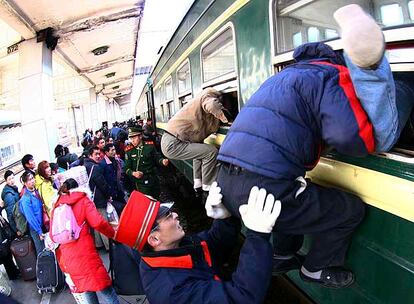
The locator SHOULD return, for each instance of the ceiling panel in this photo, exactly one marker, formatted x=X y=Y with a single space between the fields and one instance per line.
x=84 y=25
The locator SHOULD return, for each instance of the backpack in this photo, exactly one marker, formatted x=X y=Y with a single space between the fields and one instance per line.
x=19 y=218
x=63 y=225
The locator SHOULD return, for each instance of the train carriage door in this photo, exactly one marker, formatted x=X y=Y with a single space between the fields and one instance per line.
x=219 y=67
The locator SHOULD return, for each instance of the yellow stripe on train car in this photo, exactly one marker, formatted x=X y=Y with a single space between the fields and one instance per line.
x=386 y=192
x=383 y=191
x=204 y=35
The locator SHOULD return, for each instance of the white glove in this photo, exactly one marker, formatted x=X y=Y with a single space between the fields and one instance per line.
x=261 y=212
x=214 y=207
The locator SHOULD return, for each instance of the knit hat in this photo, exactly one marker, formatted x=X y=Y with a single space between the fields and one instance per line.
x=7 y=174
x=137 y=220
x=362 y=38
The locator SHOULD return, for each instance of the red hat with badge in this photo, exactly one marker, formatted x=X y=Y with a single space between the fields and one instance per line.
x=137 y=220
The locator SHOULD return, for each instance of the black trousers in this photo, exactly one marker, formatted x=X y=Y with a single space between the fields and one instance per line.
x=328 y=215
x=10 y=267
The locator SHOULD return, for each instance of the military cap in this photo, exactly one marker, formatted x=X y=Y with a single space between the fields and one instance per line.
x=134 y=131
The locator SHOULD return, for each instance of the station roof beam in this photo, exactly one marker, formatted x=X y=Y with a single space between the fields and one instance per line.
x=96 y=38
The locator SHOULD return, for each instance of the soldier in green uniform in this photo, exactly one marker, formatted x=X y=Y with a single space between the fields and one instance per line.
x=141 y=162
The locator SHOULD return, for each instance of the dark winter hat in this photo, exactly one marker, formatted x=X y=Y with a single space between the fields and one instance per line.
x=7 y=174
x=134 y=131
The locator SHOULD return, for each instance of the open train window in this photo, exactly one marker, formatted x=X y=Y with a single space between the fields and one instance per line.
x=296 y=22
x=229 y=98
x=185 y=99
x=170 y=109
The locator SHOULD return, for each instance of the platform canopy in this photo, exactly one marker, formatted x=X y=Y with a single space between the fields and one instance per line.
x=98 y=39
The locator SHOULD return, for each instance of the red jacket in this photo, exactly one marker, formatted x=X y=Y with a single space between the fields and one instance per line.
x=80 y=259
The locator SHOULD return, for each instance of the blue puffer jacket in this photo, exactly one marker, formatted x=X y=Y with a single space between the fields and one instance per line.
x=10 y=195
x=32 y=209
x=188 y=274
x=281 y=130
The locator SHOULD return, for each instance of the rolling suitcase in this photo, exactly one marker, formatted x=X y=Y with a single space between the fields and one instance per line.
x=24 y=253
x=124 y=268
x=49 y=276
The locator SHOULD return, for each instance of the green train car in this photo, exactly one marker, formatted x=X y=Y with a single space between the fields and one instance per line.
x=234 y=45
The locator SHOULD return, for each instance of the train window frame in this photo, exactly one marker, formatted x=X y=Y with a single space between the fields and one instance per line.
x=391 y=34
x=159 y=100
x=162 y=112
x=396 y=38
x=410 y=5
x=225 y=77
x=189 y=90
x=168 y=98
x=184 y=99
x=170 y=107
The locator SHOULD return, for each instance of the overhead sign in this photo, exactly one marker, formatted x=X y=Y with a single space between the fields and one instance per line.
x=13 y=48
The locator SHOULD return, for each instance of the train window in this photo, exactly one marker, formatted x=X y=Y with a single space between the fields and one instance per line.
x=170 y=109
x=162 y=113
x=391 y=14
x=218 y=56
x=168 y=89
x=185 y=99
x=157 y=96
x=313 y=20
x=313 y=34
x=184 y=78
x=229 y=97
x=297 y=39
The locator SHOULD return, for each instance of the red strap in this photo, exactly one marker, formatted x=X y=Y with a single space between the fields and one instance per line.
x=364 y=125
x=206 y=253
x=207 y=256
x=170 y=262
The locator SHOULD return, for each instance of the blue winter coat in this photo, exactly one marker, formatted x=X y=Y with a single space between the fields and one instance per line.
x=281 y=130
x=10 y=195
x=32 y=209
x=188 y=274
x=111 y=169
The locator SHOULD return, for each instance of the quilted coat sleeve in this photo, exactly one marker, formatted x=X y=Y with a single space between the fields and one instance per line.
x=344 y=123
x=95 y=219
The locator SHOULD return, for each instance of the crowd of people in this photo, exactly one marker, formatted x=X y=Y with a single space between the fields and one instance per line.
x=112 y=175
x=325 y=99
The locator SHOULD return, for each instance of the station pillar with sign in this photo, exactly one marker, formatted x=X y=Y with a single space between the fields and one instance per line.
x=36 y=100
